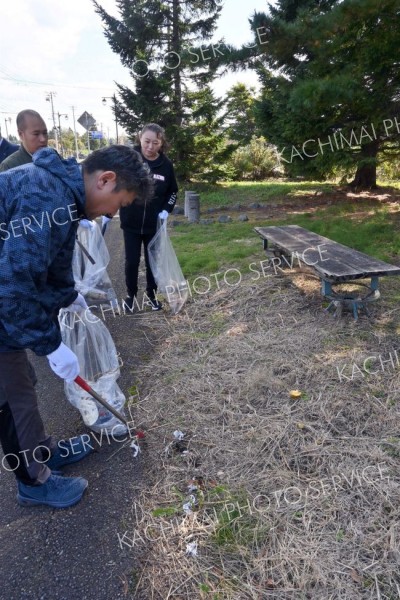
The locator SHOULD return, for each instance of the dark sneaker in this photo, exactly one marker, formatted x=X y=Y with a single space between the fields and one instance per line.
x=154 y=304
x=68 y=452
x=58 y=492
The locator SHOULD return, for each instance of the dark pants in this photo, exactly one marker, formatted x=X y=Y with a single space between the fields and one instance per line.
x=133 y=245
x=23 y=438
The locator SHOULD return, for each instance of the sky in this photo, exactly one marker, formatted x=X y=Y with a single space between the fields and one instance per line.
x=59 y=46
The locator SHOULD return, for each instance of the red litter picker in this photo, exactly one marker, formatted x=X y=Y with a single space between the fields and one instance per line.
x=85 y=386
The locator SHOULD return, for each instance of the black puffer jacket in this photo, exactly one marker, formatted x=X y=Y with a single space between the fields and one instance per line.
x=141 y=217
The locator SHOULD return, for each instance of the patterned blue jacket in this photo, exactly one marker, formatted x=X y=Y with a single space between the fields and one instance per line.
x=40 y=205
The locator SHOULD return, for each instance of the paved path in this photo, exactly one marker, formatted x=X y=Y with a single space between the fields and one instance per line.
x=75 y=554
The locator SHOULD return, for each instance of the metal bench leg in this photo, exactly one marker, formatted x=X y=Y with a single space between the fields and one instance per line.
x=374 y=283
x=326 y=288
x=355 y=310
x=330 y=306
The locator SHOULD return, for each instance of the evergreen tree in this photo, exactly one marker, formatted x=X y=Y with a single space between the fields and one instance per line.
x=240 y=114
x=331 y=84
x=209 y=151
x=161 y=42
x=68 y=142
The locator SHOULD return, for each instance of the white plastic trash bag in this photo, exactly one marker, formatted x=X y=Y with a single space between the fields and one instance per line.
x=89 y=266
x=89 y=338
x=166 y=270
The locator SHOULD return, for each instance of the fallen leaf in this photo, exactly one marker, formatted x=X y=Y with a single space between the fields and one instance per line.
x=355 y=576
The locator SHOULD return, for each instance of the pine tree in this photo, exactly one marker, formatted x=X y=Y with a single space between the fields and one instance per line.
x=158 y=41
x=331 y=84
x=240 y=118
x=209 y=152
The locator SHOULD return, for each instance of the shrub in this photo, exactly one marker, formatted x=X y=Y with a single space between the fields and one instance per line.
x=257 y=160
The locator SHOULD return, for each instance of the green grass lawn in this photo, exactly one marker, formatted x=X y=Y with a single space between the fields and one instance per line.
x=244 y=192
x=376 y=234
x=206 y=249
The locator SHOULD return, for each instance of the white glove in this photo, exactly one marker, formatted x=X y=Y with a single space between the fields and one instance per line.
x=105 y=220
x=87 y=224
x=78 y=304
x=64 y=363
x=163 y=215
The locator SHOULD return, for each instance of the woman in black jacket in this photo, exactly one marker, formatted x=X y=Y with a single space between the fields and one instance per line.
x=139 y=221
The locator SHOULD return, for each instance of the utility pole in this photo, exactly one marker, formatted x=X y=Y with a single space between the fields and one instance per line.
x=59 y=129
x=115 y=113
x=49 y=98
x=88 y=132
x=75 y=136
x=7 y=120
x=114 y=99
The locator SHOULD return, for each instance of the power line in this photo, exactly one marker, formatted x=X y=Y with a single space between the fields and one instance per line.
x=10 y=77
x=46 y=83
x=3 y=70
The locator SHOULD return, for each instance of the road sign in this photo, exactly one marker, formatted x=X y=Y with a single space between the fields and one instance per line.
x=96 y=135
x=87 y=121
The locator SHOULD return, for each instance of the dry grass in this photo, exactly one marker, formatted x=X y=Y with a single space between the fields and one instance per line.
x=285 y=506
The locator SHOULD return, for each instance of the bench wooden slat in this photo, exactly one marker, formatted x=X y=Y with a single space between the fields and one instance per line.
x=334 y=261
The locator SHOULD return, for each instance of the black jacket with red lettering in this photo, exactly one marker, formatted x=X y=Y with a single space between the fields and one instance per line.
x=141 y=217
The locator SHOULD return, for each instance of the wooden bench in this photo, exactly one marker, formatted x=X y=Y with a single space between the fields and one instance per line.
x=333 y=263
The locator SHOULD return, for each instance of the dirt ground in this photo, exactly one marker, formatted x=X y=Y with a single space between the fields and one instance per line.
x=312 y=202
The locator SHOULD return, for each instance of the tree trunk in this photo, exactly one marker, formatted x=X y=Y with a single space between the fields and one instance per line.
x=176 y=47
x=365 y=177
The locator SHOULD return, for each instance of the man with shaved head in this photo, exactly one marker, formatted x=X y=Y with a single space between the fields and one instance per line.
x=33 y=134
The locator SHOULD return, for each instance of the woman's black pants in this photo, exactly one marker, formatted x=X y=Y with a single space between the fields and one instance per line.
x=133 y=246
